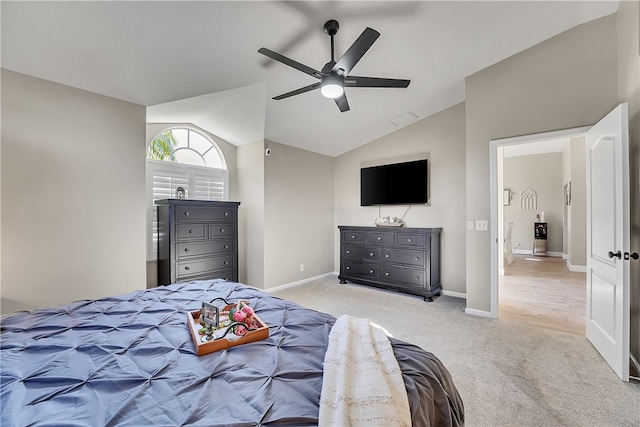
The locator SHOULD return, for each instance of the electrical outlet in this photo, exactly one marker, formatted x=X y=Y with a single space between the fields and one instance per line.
x=471 y=225
x=482 y=225
x=301 y=267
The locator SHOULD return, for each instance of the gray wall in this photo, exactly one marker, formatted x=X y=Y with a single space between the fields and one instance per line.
x=73 y=211
x=628 y=31
x=440 y=138
x=543 y=174
x=251 y=213
x=567 y=81
x=298 y=215
x=575 y=173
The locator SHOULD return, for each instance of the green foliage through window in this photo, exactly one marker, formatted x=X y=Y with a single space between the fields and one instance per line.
x=162 y=146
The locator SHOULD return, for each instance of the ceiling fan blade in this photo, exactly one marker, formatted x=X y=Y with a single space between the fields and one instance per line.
x=297 y=91
x=290 y=62
x=357 y=81
x=342 y=102
x=357 y=50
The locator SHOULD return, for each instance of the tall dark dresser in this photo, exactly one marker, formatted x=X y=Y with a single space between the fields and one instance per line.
x=197 y=239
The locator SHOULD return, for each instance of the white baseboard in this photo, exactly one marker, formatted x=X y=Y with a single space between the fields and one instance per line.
x=635 y=364
x=299 y=282
x=577 y=268
x=479 y=313
x=530 y=252
x=454 y=294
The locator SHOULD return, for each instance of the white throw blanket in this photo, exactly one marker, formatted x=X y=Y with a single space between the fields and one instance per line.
x=362 y=383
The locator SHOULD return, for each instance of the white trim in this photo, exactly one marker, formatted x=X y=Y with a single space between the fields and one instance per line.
x=635 y=364
x=479 y=313
x=565 y=256
x=493 y=186
x=501 y=271
x=577 y=268
x=299 y=282
x=454 y=294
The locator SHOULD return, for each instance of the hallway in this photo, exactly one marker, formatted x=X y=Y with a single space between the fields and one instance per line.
x=542 y=292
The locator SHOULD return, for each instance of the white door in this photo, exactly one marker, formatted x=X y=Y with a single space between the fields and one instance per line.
x=607 y=314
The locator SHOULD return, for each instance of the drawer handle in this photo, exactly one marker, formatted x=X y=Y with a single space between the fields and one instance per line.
x=348 y=252
x=387 y=274
x=186 y=268
x=222 y=230
x=379 y=238
x=226 y=214
x=190 y=231
x=417 y=258
x=386 y=255
x=370 y=271
x=186 y=249
x=409 y=240
x=353 y=237
x=417 y=278
x=226 y=263
x=226 y=246
x=186 y=213
x=348 y=268
x=370 y=253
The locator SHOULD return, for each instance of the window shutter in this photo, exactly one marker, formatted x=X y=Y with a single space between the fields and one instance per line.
x=164 y=178
x=208 y=187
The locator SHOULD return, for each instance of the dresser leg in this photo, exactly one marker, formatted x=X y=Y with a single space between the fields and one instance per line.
x=342 y=281
x=428 y=299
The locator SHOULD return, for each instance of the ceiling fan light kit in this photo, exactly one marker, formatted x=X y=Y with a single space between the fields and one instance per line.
x=334 y=76
x=332 y=87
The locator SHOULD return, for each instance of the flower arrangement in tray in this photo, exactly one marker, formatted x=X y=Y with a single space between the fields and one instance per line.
x=214 y=328
x=236 y=318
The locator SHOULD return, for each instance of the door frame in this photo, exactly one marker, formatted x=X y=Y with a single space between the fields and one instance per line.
x=496 y=220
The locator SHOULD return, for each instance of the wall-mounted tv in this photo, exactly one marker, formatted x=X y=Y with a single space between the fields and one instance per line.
x=395 y=184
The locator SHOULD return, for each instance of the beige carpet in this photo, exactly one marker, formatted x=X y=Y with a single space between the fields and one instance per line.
x=507 y=374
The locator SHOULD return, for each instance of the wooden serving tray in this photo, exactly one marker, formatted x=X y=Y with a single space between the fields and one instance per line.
x=206 y=347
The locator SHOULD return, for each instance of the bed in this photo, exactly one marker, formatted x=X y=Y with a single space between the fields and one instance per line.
x=130 y=361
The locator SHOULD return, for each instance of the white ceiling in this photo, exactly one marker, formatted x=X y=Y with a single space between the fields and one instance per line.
x=201 y=58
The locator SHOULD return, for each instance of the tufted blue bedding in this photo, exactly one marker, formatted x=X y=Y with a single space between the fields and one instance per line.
x=130 y=361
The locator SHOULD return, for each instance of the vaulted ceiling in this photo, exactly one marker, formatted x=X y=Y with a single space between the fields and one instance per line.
x=198 y=61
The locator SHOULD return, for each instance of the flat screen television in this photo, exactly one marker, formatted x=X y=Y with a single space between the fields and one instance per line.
x=394 y=184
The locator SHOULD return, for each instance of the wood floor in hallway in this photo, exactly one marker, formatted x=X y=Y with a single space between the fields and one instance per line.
x=542 y=292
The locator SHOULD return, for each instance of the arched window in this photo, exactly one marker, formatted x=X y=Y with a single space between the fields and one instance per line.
x=182 y=161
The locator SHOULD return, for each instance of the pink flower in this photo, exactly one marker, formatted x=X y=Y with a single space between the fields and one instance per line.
x=240 y=330
x=239 y=316
x=247 y=310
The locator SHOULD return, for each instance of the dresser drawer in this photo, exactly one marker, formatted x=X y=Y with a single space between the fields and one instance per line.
x=367 y=271
x=361 y=253
x=413 y=240
x=203 y=248
x=218 y=274
x=354 y=237
x=380 y=238
x=221 y=230
x=196 y=267
x=190 y=231
x=403 y=276
x=201 y=213
x=399 y=256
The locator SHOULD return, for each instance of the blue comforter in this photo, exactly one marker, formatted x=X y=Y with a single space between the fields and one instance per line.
x=130 y=361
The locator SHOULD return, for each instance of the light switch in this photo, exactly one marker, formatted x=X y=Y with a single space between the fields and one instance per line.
x=482 y=225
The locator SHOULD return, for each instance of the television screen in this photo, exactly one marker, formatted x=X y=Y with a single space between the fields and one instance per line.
x=394 y=184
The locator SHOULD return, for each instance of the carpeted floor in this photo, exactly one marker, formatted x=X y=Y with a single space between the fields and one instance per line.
x=507 y=374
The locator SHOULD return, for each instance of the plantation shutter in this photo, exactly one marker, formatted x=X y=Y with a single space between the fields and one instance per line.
x=164 y=178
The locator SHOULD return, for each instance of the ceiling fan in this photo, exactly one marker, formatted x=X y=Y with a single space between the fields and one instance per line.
x=334 y=76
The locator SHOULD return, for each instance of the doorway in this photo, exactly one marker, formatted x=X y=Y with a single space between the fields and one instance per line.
x=540 y=289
